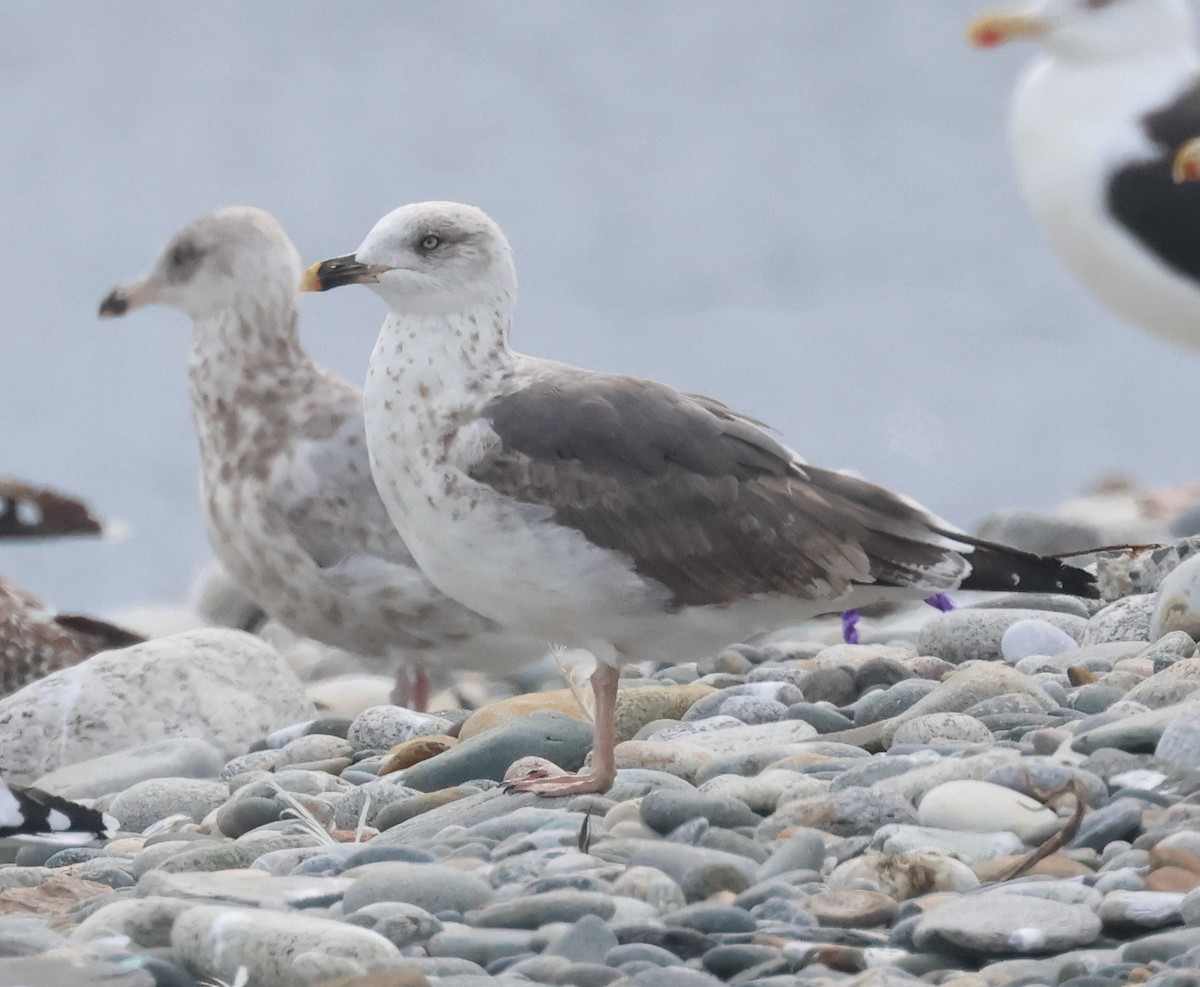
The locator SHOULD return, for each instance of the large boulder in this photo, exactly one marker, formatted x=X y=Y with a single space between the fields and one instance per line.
x=224 y=687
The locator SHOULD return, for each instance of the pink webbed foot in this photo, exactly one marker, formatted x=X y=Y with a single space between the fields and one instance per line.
x=604 y=739
x=556 y=786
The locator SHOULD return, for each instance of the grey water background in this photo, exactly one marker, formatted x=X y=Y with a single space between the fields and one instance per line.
x=804 y=208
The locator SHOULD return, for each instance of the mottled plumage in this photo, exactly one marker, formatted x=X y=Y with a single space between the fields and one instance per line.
x=291 y=508
x=35 y=641
x=608 y=512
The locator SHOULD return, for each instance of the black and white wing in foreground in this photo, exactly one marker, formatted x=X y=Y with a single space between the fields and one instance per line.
x=709 y=505
x=32 y=812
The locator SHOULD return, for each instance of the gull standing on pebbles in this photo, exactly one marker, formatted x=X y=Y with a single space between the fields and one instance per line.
x=608 y=512
x=1095 y=123
x=290 y=506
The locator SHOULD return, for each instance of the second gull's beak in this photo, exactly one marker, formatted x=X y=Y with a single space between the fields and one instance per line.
x=339 y=271
x=1000 y=27
x=126 y=297
x=1187 y=163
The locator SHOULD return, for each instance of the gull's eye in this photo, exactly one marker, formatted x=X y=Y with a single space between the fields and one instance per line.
x=183 y=260
x=430 y=241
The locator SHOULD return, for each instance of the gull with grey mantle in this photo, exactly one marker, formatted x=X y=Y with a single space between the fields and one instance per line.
x=609 y=512
x=290 y=506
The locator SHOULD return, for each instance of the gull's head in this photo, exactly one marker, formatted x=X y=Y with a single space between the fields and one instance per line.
x=221 y=261
x=427 y=258
x=1091 y=30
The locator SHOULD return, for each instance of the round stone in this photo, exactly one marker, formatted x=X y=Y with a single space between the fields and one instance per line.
x=852 y=909
x=933 y=728
x=666 y=811
x=1034 y=637
x=981 y=807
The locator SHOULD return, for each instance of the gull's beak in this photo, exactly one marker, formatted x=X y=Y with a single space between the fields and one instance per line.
x=999 y=27
x=1187 y=163
x=339 y=271
x=126 y=297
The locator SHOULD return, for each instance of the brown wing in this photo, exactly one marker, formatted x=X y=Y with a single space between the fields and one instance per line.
x=698 y=497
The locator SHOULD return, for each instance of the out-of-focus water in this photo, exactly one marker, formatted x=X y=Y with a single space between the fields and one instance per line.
x=804 y=208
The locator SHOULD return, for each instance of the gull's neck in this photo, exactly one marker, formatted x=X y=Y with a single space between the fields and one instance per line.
x=247 y=370
x=441 y=364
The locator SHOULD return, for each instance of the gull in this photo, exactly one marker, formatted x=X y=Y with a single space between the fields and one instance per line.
x=35 y=641
x=289 y=503
x=32 y=812
x=31 y=512
x=1094 y=124
x=609 y=512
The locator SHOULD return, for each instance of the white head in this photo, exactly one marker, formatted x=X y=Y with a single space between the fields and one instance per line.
x=429 y=258
x=1092 y=30
x=230 y=259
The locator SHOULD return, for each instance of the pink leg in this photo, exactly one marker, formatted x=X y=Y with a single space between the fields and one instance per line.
x=604 y=740
x=412 y=688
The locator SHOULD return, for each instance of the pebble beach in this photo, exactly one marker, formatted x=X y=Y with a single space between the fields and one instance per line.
x=1006 y=794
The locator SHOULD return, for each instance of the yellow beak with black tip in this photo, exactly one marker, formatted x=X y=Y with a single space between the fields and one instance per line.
x=339 y=271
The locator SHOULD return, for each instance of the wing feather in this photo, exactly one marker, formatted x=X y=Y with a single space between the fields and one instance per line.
x=700 y=498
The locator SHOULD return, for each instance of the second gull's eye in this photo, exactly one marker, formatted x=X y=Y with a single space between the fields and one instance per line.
x=431 y=241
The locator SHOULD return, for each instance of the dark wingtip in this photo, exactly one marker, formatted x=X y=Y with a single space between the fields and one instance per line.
x=1002 y=568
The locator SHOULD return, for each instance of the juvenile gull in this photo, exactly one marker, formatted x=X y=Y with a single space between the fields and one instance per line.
x=289 y=503
x=1095 y=122
x=35 y=641
x=608 y=512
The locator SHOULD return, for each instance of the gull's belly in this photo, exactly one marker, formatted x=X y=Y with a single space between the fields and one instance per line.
x=510 y=562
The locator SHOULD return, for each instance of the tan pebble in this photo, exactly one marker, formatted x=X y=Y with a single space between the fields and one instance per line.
x=633 y=829
x=851 y=909
x=970 y=980
x=517 y=707
x=351 y=835
x=1172 y=879
x=630 y=809
x=532 y=764
x=853 y=656
x=126 y=846
x=1170 y=856
x=797 y=762
x=1141 y=667
x=1055 y=865
x=636 y=707
x=414 y=751
x=733 y=662
x=1080 y=675
x=380 y=978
